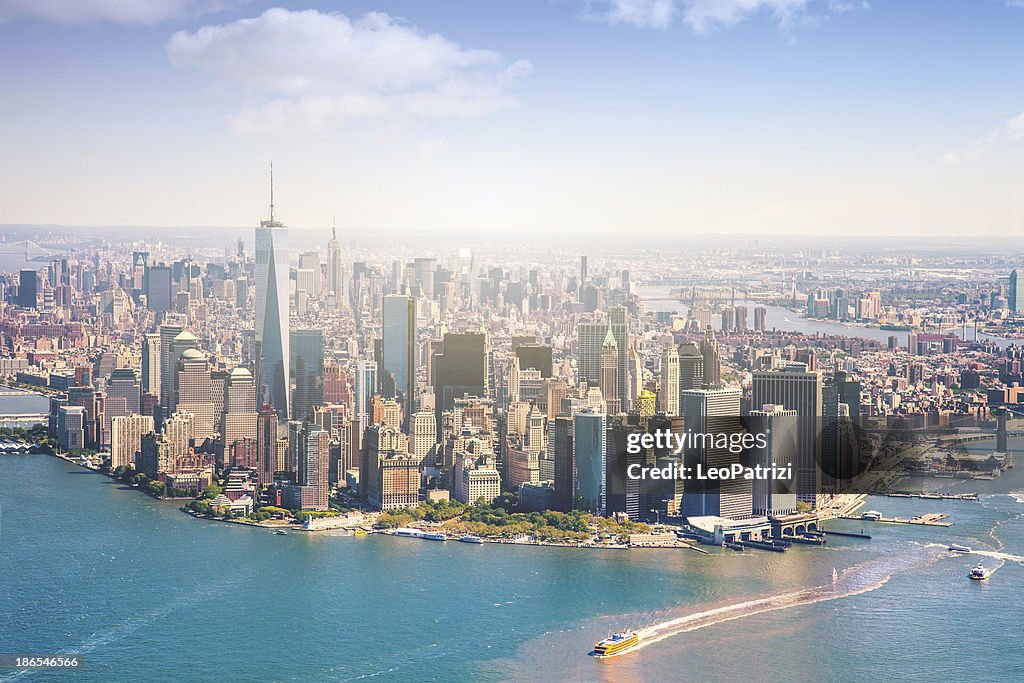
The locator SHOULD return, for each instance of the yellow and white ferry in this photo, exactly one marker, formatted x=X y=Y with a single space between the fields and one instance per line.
x=616 y=644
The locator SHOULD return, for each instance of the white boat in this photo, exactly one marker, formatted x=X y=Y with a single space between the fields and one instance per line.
x=835 y=574
x=406 y=531
x=980 y=573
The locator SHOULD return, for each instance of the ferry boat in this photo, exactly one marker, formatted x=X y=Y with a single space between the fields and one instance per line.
x=405 y=531
x=616 y=644
x=471 y=539
x=434 y=537
x=980 y=573
x=957 y=548
x=360 y=532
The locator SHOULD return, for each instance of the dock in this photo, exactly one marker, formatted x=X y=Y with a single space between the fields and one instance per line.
x=848 y=534
x=930 y=496
x=929 y=519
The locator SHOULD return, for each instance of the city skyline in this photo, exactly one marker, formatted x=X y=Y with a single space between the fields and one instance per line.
x=670 y=116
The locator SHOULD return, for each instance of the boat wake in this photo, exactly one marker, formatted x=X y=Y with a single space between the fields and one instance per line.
x=858 y=579
x=996 y=555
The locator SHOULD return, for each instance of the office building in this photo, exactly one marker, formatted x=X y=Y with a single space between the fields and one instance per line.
x=397 y=372
x=126 y=434
x=307 y=371
x=711 y=355
x=797 y=388
x=272 y=377
x=713 y=412
x=28 y=289
x=589 y=456
x=460 y=370
x=668 y=395
x=780 y=427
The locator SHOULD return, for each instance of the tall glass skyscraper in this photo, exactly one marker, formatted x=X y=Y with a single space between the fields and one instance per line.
x=307 y=371
x=272 y=356
x=398 y=364
x=590 y=456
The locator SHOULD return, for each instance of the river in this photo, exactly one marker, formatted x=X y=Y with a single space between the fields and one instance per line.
x=783 y=319
x=145 y=593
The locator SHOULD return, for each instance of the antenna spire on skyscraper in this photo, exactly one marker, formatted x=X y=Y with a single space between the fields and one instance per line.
x=334 y=232
x=271 y=191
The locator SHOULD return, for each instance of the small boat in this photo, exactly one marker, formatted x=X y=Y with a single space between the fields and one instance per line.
x=471 y=539
x=980 y=573
x=280 y=532
x=359 y=532
x=434 y=537
x=616 y=644
x=835 y=575
x=957 y=548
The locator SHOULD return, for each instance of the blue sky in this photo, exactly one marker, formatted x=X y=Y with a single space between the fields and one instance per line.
x=722 y=116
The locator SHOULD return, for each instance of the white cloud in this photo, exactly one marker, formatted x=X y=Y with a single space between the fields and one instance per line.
x=642 y=13
x=315 y=70
x=145 y=12
x=1012 y=130
x=704 y=16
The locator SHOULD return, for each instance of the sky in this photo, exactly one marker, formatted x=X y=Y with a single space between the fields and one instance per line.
x=619 y=117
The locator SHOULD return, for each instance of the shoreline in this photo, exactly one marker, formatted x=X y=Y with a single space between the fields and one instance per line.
x=838 y=511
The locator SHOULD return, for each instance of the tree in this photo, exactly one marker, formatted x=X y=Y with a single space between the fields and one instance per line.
x=212 y=491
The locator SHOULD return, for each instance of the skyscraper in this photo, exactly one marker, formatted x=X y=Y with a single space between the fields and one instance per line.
x=691 y=368
x=712 y=357
x=668 y=396
x=240 y=418
x=1016 y=294
x=307 y=371
x=266 y=444
x=618 y=325
x=610 y=374
x=158 y=288
x=193 y=392
x=589 y=340
x=334 y=272
x=460 y=370
x=28 y=289
x=171 y=354
x=397 y=375
x=759 y=318
x=126 y=438
x=796 y=388
x=589 y=457
x=313 y=466
x=151 y=364
x=713 y=412
x=773 y=497
x=365 y=387
x=123 y=396
x=272 y=376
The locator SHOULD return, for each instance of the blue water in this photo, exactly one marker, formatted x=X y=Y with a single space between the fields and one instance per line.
x=16 y=401
x=146 y=593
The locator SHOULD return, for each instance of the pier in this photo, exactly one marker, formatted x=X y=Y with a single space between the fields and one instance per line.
x=931 y=496
x=929 y=519
x=848 y=534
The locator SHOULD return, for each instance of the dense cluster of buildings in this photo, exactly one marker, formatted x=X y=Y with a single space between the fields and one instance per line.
x=293 y=374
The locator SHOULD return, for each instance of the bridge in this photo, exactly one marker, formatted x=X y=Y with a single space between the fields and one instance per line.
x=31 y=250
x=24 y=417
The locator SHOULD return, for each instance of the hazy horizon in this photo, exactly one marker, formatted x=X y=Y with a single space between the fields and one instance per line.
x=795 y=117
